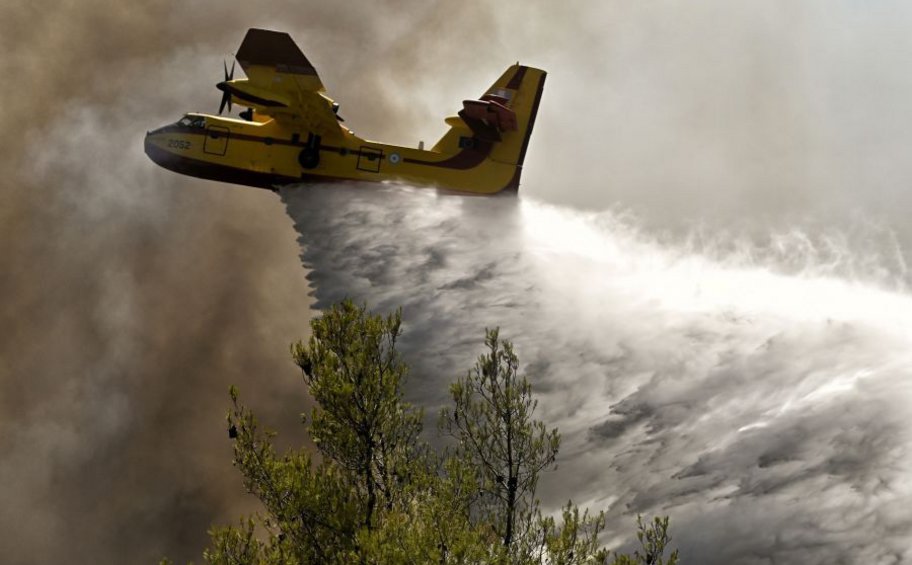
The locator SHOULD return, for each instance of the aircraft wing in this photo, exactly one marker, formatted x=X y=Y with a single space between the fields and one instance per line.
x=282 y=83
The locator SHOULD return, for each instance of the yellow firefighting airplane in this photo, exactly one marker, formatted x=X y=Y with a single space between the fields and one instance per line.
x=292 y=133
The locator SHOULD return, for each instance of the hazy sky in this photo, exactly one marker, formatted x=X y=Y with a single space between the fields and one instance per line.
x=764 y=135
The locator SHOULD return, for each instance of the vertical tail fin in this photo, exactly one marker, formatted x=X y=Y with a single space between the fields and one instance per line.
x=503 y=116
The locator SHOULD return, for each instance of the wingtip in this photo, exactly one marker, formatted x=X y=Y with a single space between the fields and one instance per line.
x=273 y=48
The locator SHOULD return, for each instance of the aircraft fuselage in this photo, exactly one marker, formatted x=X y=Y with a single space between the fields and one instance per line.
x=265 y=154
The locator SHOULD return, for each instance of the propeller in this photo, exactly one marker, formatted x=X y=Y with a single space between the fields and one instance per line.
x=223 y=86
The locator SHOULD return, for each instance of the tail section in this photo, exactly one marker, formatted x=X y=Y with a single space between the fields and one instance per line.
x=500 y=122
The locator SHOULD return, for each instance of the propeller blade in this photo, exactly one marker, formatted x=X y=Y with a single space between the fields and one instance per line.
x=223 y=86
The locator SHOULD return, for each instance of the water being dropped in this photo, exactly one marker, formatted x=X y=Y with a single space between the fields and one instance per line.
x=759 y=404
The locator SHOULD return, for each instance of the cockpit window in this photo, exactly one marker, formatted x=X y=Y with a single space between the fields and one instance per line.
x=193 y=121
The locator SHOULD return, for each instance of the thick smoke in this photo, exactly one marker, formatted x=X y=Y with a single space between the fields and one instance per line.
x=764 y=410
x=132 y=296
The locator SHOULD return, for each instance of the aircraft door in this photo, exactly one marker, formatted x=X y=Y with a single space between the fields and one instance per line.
x=216 y=140
x=369 y=159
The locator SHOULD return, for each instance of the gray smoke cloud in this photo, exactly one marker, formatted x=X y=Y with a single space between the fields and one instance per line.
x=748 y=112
x=133 y=297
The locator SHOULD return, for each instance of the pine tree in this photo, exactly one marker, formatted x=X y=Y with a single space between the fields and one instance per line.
x=492 y=421
x=377 y=494
x=361 y=423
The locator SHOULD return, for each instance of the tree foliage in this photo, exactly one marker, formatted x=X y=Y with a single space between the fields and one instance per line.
x=376 y=493
x=492 y=423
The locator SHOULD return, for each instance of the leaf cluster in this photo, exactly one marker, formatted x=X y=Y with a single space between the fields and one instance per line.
x=376 y=493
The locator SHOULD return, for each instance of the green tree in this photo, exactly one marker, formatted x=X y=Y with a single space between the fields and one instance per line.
x=377 y=494
x=654 y=539
x=496 y=433
x=361 y=423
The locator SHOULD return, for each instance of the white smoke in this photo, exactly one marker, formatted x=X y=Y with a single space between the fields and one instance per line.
x=757 y=398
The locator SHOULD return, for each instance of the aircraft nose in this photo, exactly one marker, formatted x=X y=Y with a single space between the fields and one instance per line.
x=156 y=153
x=147 y=145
